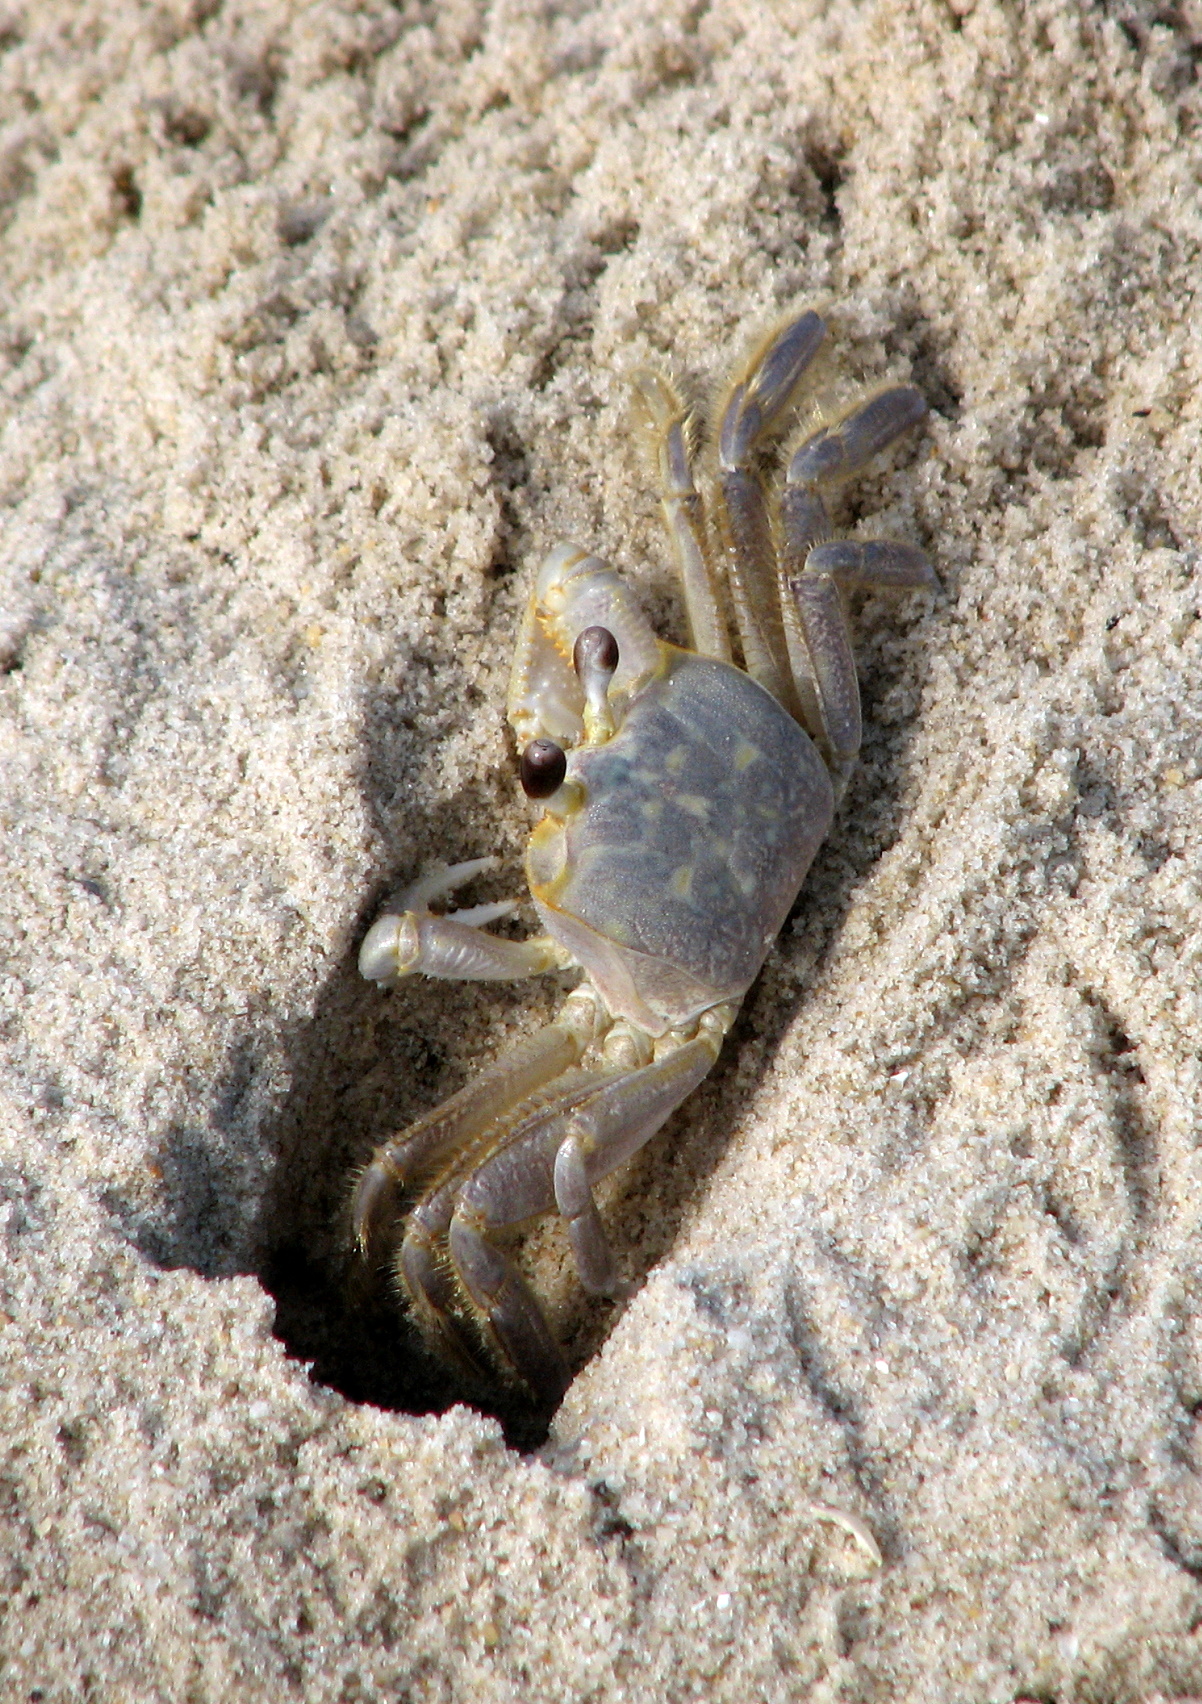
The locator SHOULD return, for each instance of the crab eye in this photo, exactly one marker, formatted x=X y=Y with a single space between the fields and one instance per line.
x=543 y=768
x=595 y=652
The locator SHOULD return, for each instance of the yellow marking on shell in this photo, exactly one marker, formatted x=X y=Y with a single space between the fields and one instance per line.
x=744 y=880
x=653 y=809
x=681 y=884
x=582 y=861
x=694 y=804
x=745 y=756
x=547 y=847
x=556 y=639
x=676 y=760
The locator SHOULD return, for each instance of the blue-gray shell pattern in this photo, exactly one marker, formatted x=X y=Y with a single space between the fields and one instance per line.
x=702 y=816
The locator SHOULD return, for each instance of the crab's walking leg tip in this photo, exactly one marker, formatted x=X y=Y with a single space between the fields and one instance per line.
x=374 y=1205
x=514 y=1317
x=844 y=448
x=757 y=405
x=574 y=1197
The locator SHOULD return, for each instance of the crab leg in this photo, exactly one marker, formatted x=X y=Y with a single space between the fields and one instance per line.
x=818 y=571
x=515 y=1319
x=437 y=1287
x=553 y=1160
x=834 y=454
x=431 y=1285
x=451 y=1129
x=670 y=423
x=756 y=408
x=830 y=568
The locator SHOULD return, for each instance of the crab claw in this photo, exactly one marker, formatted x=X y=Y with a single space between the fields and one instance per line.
x=391 y=949
x=401 y=943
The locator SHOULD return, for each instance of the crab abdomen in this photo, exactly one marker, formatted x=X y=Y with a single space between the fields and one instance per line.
x=699 y=820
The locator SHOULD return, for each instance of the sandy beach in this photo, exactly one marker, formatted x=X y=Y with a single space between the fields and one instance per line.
x=317 y=327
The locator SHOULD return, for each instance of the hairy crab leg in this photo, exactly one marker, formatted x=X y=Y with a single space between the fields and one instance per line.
x=835 y=453
x=434 y=1142
x=516 y=1321
x=755 y=411
x=429 y=1281
x=553 y=1160
x=435 y=1287
x=670 y=425
x=818 y=570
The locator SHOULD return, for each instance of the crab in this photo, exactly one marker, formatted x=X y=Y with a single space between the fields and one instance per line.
x=683 y=797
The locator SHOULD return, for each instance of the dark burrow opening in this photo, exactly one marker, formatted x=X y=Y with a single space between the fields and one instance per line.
x=365 y=1064
x=361 y=1065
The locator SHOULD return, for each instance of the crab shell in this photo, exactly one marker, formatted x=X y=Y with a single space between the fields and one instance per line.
x=688 y=838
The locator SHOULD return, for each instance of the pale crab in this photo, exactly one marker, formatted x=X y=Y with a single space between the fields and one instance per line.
x=684 y=798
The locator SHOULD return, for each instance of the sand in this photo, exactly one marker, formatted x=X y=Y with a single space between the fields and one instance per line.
x=317 y=329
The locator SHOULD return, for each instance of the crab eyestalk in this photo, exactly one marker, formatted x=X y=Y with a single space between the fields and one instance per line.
x=595 y=659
